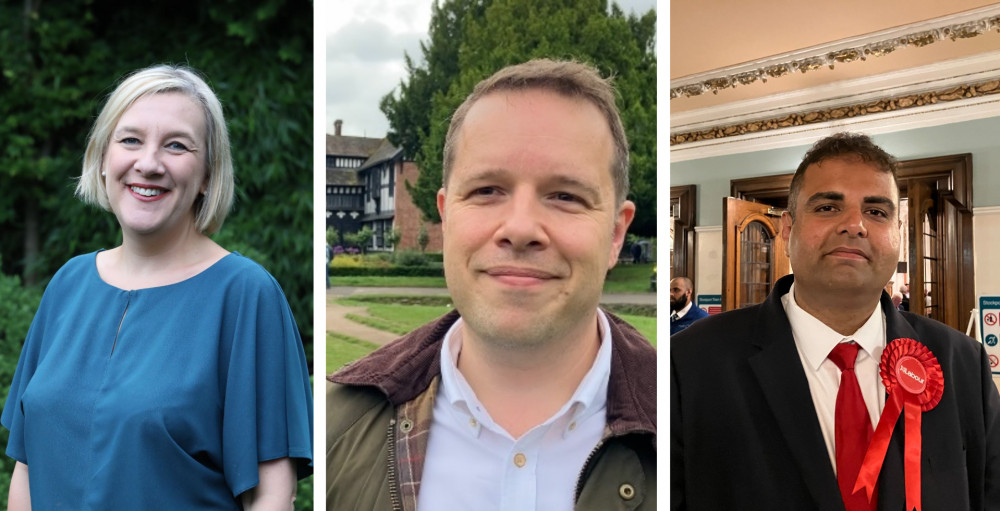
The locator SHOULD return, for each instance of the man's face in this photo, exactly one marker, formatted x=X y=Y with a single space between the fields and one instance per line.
x=845 y=234
x=679 y=294
x=529 y=218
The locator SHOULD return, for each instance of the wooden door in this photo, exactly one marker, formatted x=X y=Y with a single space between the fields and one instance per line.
x=755 y=255
x=924 y=261
x=940 y=267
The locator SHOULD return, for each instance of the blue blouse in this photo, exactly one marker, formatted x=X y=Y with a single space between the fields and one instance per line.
x=161 y=398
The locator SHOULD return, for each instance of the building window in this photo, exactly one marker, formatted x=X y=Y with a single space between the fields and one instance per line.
x=392 y=181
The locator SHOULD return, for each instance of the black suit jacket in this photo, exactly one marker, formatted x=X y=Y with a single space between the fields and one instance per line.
x=744 y=431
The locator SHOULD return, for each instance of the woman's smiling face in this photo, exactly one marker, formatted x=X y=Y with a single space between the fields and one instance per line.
x=155 y=165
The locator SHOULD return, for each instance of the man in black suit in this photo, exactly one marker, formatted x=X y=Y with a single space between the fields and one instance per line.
x=754 y=392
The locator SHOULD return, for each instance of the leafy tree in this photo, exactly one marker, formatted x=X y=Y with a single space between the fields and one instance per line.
x=393 y=236
x=361 y=239
x=332 y=235
x=409 y=113
x=423 y=237
x=471 y=39
x=365 y=236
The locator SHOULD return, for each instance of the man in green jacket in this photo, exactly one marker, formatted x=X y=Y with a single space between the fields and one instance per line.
x=528 y=396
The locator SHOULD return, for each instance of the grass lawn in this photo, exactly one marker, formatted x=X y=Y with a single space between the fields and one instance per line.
x=624 y=278
x=644 y=324
x=341 y=349
x=400 y=319
x=628 y=278
x=396 y=318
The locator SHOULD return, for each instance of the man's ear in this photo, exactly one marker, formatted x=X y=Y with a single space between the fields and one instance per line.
x=440 y=205
x=786 y=228
x=626 y=213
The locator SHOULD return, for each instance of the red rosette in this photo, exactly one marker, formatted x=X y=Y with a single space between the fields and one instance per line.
x=915 y=383
x=896 y=364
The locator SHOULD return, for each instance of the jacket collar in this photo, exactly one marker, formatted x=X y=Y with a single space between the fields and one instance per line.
x=404 y=368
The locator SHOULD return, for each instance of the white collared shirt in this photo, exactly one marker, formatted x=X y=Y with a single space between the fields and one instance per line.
x=472 y=463
x=814 y=341
x=682 y=312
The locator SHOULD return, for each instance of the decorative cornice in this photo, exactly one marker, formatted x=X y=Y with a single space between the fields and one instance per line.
x=878 y=106
x=707 y=228
x=988 y=210
x=960 y=26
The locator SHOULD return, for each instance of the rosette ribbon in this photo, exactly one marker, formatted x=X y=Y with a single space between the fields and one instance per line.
x=913 y=378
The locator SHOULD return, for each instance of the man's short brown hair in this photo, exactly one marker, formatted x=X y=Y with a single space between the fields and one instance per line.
x=568 y=78
x=841 y=145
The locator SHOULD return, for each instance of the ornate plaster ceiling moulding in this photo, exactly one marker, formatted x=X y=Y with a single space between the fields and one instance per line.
x=890 y=104
x=960 y=26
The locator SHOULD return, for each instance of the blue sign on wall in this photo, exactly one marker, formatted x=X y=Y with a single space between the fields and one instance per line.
x=712 y=304
x=989 y=329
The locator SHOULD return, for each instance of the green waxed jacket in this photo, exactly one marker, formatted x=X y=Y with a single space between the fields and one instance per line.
x=380 y=407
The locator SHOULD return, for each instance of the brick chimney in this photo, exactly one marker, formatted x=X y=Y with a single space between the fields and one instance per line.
x=336 y=127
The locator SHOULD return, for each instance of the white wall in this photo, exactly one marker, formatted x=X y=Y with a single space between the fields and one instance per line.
x=708 y=260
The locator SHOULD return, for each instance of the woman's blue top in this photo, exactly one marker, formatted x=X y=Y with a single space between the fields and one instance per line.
x=164 y=398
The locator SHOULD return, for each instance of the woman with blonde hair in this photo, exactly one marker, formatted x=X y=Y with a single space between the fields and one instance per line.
x=165 y=373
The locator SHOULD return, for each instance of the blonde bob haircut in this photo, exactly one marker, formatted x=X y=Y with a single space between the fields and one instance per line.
x=210 y=209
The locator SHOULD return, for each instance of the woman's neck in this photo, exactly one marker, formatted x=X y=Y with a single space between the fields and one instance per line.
x=151 y=261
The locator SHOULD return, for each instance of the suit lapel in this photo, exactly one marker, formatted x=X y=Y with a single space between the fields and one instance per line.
x=779 y=373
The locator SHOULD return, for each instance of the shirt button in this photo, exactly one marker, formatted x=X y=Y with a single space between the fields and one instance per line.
x=572 y=425
x=520 y=460
x=472 y=421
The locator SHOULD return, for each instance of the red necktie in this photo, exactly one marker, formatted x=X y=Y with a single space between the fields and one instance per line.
x=853 y=429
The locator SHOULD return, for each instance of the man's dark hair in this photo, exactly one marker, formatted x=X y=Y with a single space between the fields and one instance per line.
x=841 y=145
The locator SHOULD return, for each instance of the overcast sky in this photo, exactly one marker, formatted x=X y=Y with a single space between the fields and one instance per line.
x=365 y=42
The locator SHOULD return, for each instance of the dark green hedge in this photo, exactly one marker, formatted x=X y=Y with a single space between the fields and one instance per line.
x=395 y=271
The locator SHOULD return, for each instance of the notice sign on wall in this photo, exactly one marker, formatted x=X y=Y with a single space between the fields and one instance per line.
x=989 y=324
x=712 y=304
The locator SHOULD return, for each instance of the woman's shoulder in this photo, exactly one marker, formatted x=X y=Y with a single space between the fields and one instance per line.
x=76 y=269
x=239 y=270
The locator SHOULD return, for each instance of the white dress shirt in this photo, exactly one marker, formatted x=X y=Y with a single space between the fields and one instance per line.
x=814 y=341
x=680 y=314
x=472 y=463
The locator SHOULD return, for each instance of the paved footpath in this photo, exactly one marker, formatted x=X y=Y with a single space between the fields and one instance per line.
x=336 y=314
x=336 y=321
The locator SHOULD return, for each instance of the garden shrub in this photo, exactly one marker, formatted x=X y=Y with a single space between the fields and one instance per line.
x=17 y=308
x=394 y=271
x=410 y=258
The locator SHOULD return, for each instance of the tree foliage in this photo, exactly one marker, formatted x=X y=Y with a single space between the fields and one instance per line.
x=361 y=239
x=471 y=39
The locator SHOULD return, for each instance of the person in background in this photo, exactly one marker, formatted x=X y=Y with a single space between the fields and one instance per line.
x=683 y=310
x=329 y=257
x=165 y=373
x=897 y=301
